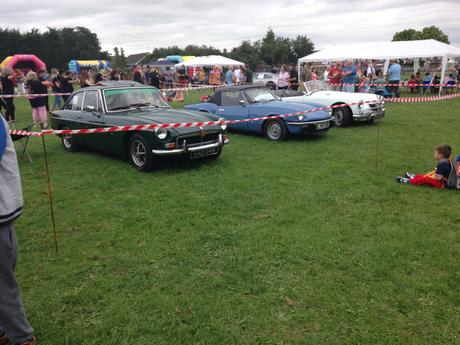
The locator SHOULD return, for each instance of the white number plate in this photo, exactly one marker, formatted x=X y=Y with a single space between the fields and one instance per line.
x=203 y=153
x=322 y=125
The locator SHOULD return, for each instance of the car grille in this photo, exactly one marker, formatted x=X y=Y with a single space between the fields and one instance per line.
x=197 y=139
x=374 y=105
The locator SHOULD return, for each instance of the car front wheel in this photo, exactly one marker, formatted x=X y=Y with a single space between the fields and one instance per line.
x=342 y=116
x=68 y=142
x=275 y=130
x=140 y=153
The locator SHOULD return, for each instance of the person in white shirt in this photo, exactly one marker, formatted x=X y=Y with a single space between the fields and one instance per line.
x=326 y=73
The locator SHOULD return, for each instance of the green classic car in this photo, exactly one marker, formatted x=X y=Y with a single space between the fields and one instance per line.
x=123 y=103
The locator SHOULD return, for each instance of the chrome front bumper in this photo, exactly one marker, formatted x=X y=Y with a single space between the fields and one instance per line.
x=308 y=123
x=369 y=114
x=193 y=147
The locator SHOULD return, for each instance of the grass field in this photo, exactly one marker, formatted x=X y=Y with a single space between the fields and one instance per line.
x=297 y=242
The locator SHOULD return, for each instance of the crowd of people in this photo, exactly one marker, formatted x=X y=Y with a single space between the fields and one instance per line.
x=367 y=76
x=347 y=76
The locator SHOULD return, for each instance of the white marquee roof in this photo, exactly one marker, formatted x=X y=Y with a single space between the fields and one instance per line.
x=210 y=60
x=384 y=51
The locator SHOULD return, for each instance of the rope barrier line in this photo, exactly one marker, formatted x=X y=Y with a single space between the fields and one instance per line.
x=154 y=126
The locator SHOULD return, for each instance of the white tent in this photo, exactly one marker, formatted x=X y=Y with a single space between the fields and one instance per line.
x=386 y=51
x=210 y=60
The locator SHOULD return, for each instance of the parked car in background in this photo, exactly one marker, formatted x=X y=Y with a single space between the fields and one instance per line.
x=368 y=107
x=247 y=102
x=269 y=80
x=121 y=103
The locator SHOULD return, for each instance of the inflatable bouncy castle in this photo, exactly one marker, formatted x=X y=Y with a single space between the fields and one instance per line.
x=76 y=65
x=25 y=62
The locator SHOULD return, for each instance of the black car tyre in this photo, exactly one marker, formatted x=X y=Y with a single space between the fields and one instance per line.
x=140 y=153
x=68 y=143
x=342 y=116
x=275 y=130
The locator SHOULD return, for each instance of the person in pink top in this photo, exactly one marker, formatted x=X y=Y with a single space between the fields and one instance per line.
x=283 y=78
x=314 y=75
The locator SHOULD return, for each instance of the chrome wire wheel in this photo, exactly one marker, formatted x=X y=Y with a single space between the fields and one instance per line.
x=67 y=141
x=138 y=153
x=274 y=130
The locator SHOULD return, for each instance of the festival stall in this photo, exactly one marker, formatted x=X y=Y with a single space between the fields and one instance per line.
x=387 y=51
x=76 y=65
x=24 y=62
x=210 y=60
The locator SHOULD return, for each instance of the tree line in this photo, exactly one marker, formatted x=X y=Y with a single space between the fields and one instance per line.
x=56 y=47
x=271 y=49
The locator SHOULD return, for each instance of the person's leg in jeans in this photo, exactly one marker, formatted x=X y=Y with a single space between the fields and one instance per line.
x=395 y=88
x=56 y=102
x=348 y=88
x=13 y=320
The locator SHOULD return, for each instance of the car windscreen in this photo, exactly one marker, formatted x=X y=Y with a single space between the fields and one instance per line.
x=260 y=95
x=127 y=98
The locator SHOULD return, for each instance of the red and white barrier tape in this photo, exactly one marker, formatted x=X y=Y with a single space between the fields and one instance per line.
x=400 y=84
x=154 y=126
x=422 y=98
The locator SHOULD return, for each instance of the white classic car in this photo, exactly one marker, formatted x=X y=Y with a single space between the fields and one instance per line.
x=368 y=106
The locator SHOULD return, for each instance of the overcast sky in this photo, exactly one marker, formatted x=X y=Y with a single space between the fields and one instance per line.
x=141 y=25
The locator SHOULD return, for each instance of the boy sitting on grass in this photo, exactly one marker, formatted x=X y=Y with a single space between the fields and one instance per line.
x=440 y=176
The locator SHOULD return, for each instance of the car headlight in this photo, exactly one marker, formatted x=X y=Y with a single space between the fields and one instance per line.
x=300 y=117
x=161 y=133
x=223 y=126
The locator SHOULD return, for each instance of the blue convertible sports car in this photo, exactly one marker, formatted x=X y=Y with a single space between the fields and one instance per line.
x=243 y=102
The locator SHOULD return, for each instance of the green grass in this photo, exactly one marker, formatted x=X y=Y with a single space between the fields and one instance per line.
x=297 y=242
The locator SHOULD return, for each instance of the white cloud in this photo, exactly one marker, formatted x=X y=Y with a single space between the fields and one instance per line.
x=142 y=25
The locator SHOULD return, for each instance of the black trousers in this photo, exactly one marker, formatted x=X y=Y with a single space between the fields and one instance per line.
x=9 y=109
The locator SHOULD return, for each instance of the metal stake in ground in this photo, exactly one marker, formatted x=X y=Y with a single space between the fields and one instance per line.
x=377 y=147
x=50 y=196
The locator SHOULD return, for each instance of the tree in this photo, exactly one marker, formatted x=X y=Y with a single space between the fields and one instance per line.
x=429 y=32
x=119 y=59
x=56 y=47
x=247 y=52
x=435 y=33
x=407 y=35
x=301 y=47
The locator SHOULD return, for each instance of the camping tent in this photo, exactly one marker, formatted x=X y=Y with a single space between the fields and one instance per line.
x=211 y=60
x=386 y=51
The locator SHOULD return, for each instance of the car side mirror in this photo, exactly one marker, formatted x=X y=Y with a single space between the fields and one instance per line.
x=89 y=108
x=243 y=103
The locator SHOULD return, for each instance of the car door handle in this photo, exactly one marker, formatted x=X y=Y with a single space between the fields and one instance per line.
x=220 y=109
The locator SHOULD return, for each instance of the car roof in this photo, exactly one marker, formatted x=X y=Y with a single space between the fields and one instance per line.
x=240 y=87
x=110 y=84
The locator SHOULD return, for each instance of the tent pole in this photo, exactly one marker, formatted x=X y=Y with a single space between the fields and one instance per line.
x=298 y=71
x=443 y=72
x=385 y=66
x=416 y=65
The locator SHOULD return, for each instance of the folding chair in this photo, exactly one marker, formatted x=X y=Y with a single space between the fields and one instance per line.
x=23 y=140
